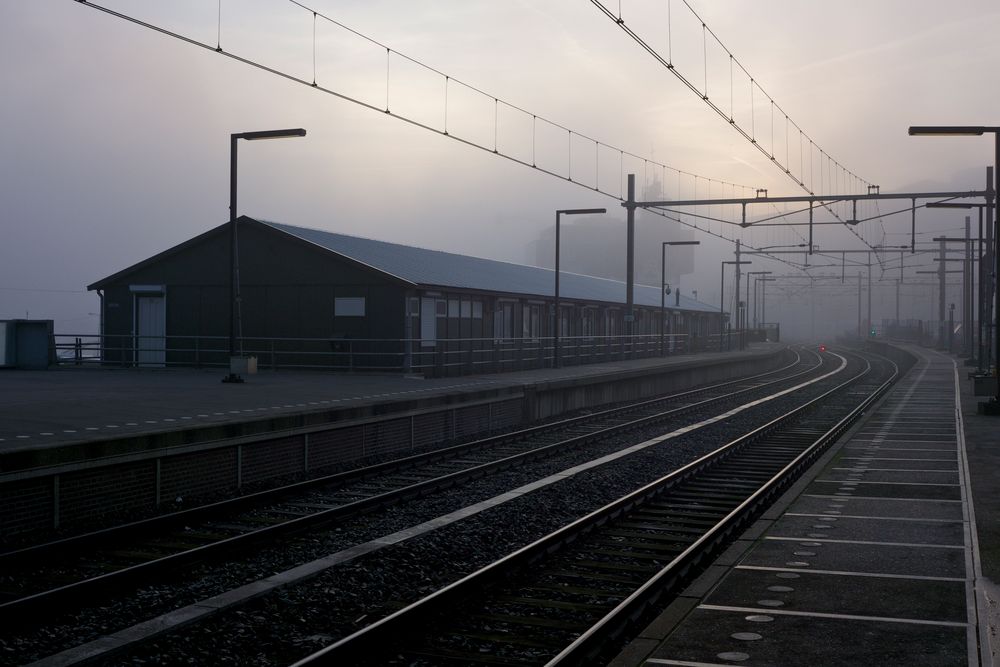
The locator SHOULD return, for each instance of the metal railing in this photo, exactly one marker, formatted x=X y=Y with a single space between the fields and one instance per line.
x=451 y=356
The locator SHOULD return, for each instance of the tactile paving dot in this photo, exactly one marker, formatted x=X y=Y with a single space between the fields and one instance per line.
x=770 y=603
x=804 y=553
x=746 y=636
x=780 y=589
x=797 y=563
x=810 y=544
x=787 y=575
x=759 y=618
x=733 y=656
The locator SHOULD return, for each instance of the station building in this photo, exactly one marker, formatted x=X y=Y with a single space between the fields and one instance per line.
x=310 y=298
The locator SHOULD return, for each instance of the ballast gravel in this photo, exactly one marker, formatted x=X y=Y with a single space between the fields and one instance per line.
x=297 y=620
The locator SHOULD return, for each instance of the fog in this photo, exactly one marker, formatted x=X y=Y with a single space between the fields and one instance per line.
x=115 y=138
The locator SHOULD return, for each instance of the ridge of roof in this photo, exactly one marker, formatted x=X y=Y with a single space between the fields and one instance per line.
x=404 y=262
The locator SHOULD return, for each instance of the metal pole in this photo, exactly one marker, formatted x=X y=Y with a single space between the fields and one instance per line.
x=859 y=305
x=739 y=330
x=951 y=327
x=812 y=308
x=967 y=315
x=980 y=306
x=942 y=296
x=763 y=304
x=663 y=286
x=897 y=303
x=996 y=257
x=233 y=286
x=722 y=303
x=746 y=312
x=558 y=326
x=991 y=255
x=630 y=260
x=869 y=291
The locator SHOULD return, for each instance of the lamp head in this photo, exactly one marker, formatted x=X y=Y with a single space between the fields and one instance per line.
x=945 y=130
x=271 y=134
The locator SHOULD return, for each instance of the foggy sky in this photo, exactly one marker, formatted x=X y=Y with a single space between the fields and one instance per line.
x=114 y=139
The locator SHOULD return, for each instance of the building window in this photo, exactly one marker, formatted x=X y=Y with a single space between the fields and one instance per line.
x=453 y=308
x=565 y=312
x=441 y=308
x=612 y=322
x=530 y=322
x=503 y=321
x=350 y=306
x=477 y=310
x=589 y=321
x=414 y=307
x=466 y=308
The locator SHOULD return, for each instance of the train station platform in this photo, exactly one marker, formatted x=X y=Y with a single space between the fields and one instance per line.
x=78 y=441
x=883 y=553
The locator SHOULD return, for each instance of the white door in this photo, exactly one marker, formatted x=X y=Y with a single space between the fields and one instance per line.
x=151 y=329
x=428 y=322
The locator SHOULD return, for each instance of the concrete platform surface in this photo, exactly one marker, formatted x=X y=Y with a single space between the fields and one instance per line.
x=39 y=409
x=872 y=558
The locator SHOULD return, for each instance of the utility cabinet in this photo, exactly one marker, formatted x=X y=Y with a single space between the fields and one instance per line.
x=27 y=344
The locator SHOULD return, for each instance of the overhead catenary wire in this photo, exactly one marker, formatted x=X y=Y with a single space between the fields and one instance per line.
x=748 y=133
x=495 y=148
x=386 y=110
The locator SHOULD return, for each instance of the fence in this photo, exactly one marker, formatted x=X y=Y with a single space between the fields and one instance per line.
x=452 y=356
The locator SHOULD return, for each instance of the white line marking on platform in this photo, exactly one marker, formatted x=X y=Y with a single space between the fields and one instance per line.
x=835 y=481
x=685 y=663
x=817 y=614
x=881 y=518
x=867 y=543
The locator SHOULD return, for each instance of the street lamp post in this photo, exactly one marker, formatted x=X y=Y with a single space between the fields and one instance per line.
x=663 y=283
x=234 y=288
x=991 y=407
x=756 y=282
x=745 y=307
x=982 y=355
x=722 y=297
x=558 y=323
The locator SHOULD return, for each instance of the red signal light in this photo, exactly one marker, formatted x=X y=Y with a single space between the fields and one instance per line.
x=822 y=348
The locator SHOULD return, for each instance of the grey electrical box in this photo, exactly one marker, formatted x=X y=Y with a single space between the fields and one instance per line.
x=27 y=344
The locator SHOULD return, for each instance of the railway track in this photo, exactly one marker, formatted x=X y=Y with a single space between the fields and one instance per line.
x=83 y=568
x=571 y=596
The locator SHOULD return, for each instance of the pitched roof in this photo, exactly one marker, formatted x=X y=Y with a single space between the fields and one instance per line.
x=421 y=266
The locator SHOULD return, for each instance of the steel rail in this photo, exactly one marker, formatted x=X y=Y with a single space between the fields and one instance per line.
x=611 y=626
x=41 y=552
x=24 y=608
x=355 y=647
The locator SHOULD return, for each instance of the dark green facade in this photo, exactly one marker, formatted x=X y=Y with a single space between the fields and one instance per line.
x=288 y=289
